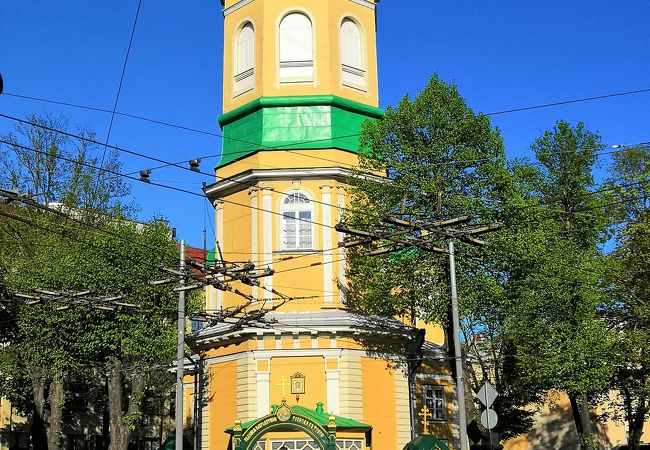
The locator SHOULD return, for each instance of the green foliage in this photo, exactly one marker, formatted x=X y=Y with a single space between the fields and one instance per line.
x=91 y=243
x=628 y=309
x=442 y=160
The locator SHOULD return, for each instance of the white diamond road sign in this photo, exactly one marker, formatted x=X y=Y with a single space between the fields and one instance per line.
x=487 y=394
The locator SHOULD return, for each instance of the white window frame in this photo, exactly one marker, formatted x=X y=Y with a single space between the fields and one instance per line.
x=294 y=70
x=243 y=80
x=352 y=75
x=296 y=209
x=436 y=403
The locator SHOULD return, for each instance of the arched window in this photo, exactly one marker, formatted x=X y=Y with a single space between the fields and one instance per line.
x=296 y=48
x=245 y=59
x=352 y=69
x=297 y=212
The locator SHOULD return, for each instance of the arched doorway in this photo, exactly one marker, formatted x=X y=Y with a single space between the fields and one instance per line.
x=284 y=419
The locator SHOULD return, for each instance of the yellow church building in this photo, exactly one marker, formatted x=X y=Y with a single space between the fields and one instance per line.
x=300 y=77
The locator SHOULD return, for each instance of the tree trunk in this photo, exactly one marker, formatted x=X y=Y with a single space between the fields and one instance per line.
x=582 y=421
x=635 y=425
x=55 y=400
x=118 y=428
x=37 y=429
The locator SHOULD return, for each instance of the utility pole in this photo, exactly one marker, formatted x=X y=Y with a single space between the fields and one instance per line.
x=460 y=377
x=180 y=355
x=420 y=234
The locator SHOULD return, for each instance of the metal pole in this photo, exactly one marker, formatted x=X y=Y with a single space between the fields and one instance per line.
x=180 y=355
x=460 y=378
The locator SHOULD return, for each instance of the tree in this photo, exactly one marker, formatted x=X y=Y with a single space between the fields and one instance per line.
x=562 y=343
x=440 y=160
x=628 y=311
x=76 y=236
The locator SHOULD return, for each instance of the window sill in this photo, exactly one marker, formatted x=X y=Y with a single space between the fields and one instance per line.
x=297 y=251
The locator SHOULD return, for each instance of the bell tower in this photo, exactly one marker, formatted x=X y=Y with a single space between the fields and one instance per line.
x=300 y=77
x=297 y=75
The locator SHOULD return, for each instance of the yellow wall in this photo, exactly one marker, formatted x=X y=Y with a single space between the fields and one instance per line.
x=297 y=273
x=223 y=402
x=554 y=427
x=313 y=367
x=326 y=17
x=378 y=384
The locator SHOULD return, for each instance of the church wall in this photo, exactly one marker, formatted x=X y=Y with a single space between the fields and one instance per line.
x=326 y=18
x=402 y=408
x=246 y=389
x=312 y=367
x=378 y=384
x=222 y=377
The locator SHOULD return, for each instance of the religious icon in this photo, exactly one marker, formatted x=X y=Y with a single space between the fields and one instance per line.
x=297 y=383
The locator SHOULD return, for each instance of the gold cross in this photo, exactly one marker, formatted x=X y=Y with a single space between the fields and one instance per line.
x=424 y=413
x=283 y=383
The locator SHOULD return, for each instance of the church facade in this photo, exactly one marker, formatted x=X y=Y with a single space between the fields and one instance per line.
x=300 y=77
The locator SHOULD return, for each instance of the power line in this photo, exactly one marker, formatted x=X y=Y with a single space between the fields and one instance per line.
x=173 y=188
x=141 y=155
x=119 y=88
x=567 y=102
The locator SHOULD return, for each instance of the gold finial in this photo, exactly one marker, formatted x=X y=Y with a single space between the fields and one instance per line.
x=283 y=384
x=331 y=421
x=424 y=413
x=237 y=426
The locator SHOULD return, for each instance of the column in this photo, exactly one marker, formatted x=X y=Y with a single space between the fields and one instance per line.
x=267 y=229
x=218 y=223
x=252 y=193
x=328 y=270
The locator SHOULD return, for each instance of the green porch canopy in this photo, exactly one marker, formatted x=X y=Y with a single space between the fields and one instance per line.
x=170 y=443
x=426 y=442
x=319 y=416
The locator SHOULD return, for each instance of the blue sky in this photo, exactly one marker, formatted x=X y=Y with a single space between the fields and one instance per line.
x=501 y=54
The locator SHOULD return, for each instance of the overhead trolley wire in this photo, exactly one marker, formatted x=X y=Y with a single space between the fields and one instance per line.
x=119 y=88
x=173 y=188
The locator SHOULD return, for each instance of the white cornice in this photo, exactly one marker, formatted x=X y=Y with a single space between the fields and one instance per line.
x=249 y=178
x=242 y=3
x=365 y=3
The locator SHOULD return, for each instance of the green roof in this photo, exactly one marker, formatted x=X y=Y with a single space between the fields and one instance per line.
x=319 y=416
x=211 y=257
x=426 y=442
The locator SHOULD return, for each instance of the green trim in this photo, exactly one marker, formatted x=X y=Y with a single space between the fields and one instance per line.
x=319 y=417
x=293 y=123
x=300 y=100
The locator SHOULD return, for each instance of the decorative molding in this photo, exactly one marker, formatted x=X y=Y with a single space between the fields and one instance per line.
x=365 y=3
x=434 y=376
x=240 y=4
x=300 y=100
x=251 y=177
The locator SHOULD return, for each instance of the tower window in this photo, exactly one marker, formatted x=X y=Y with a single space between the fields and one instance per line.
x=352 y=68
x=296 y=49
x=296 y=222
x=245 y=59
x=434 y=398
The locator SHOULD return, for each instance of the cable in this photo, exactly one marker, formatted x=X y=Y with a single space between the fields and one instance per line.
x=141 y=155
x=119 y=88
x=132 y=116
x=567 y=102
x=173 y=188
